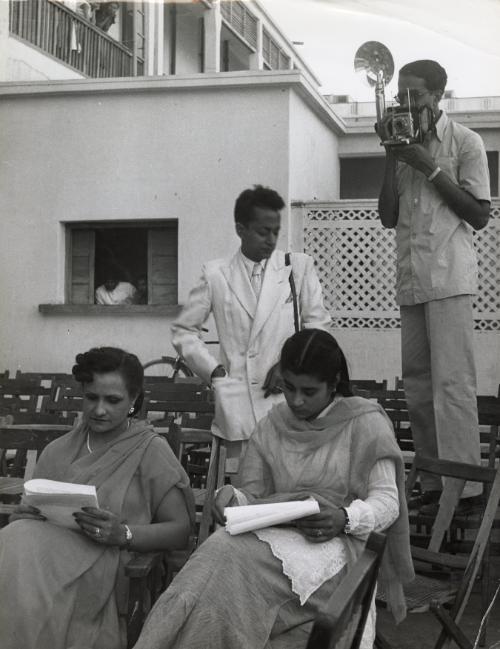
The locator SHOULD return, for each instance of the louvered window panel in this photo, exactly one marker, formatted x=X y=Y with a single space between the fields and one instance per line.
x=241 y=20
x=274 y=57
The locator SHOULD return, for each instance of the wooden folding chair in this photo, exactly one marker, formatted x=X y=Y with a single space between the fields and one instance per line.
x=449 y=578
x=488 y=410
x=174 y=399
x=344 y=617
x=396 y=408
x=22 y=395
x=36 y=418
x=146 y=576
x=206 y=477
x=25 y=444
x=368 y=387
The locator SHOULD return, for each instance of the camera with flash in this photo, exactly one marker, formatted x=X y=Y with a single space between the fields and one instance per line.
x=407 y=124
x=404 y=124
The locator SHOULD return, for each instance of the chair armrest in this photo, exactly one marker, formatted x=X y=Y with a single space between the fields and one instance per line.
x=439 y=558
x=144 y=573
x=141 y=564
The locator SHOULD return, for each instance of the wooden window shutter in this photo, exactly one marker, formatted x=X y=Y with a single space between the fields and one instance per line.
x=162 y=265
x=82 y=264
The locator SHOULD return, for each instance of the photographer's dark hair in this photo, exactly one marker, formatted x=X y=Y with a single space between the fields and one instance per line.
x=434 y=75
x=317 y=353
x=100 y=360
x=259 y=196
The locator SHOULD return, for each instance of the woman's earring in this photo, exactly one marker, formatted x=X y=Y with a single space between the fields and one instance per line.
x=131 y=411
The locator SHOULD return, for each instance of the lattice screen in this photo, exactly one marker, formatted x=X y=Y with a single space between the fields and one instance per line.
x=356 y=261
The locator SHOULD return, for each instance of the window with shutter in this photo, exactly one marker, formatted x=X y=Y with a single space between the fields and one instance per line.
x=82 y=264
x=162 y=266
x=139 y=253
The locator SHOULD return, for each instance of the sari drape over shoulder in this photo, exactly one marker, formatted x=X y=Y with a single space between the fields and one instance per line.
x=234 y=591
x=331 y=457
x=67 y=590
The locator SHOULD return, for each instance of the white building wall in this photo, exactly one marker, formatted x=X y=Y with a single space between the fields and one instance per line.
x=313 y=154
x=145 y=150
x=376 y=354
x=314 y=163
x=27 y=63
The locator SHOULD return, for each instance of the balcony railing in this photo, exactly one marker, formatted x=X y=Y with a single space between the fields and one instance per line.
x=450 y=105
x=60 y=32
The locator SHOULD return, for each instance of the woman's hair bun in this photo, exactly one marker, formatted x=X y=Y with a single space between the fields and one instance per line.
x=100 y=360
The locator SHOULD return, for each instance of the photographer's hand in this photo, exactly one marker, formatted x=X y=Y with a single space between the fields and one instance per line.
x=382 y=130
x=416 y=156
x=475 y=212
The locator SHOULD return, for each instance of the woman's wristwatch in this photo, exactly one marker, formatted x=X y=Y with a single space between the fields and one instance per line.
x=347 y=524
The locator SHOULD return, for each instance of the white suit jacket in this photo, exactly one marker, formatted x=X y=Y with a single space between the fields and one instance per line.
x=251 y=333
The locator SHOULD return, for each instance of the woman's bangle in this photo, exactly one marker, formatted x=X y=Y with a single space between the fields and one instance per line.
x=434 y=174
x=128 y=537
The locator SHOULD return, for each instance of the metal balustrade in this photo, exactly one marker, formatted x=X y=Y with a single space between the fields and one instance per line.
x=63 y=34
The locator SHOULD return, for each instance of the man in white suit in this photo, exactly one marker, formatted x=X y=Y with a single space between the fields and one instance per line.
x=249 y=295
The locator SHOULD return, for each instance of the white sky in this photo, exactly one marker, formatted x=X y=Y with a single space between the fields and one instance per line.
x=462 y=35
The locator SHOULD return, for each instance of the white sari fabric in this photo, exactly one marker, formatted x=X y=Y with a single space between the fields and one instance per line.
x=234 y=592
x=336 y=458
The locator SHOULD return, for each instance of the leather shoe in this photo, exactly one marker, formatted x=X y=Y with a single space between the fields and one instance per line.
x=430 y=497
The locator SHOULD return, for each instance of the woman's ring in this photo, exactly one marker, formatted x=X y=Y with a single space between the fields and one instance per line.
x=318 y=533
x=97 y=531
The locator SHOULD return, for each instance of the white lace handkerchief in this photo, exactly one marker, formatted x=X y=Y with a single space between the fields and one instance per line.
x=307 y=565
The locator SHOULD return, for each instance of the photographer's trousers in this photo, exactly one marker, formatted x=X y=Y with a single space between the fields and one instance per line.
x=439 y=377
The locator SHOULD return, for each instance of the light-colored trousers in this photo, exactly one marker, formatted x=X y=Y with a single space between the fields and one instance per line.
x=439 y=375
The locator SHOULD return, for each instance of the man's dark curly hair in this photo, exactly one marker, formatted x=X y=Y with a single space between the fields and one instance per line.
x=100 y=360
x=431 y=72
x=259 y=196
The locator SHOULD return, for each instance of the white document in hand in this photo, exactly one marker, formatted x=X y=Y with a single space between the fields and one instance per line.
x=58 y=500
x=255 y=517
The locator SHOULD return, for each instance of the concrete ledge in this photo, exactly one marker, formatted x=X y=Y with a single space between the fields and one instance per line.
x=236 y=79
x=214 y=82
x=104 y=310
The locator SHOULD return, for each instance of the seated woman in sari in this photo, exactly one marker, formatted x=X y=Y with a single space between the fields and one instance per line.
x=262 y=589
x=62 y=588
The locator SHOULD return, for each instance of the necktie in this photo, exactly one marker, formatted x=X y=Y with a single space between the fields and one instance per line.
x=256 y=279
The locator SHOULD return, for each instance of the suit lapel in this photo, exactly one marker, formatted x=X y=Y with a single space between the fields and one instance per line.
x=237 y=279
x=275 y=289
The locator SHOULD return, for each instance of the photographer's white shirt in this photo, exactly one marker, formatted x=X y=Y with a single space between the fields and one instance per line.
x=435 y=254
